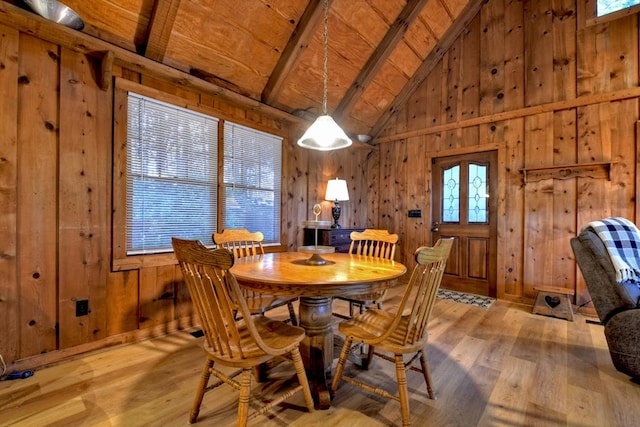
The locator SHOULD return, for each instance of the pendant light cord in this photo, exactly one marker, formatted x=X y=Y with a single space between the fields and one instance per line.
x=325 y=63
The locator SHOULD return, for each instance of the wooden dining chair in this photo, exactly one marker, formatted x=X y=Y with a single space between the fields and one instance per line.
x=244 y=343
x=242 y=243
x=375 y=243
x=398 y=333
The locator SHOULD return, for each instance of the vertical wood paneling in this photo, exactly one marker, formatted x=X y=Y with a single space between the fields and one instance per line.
x=622 y=56
x=399 y=191
x=593 y=70
x=37 y=194
x=488 y=70
x=623 y=152
x=157 y=294
x=469 y=88
x=373 y=187
x=418 y=113
x=451 y=94
x=9 y=289
x=564 y=49
x=564 y=196
x=510 y=265
x=492 y=40
x=538 y=206
x=514 y=55
x=295 y=167
x=592 y=202
x=539 y=54
x=434 y=96
x=83 y=184
x=416 y=231
x=122 y=302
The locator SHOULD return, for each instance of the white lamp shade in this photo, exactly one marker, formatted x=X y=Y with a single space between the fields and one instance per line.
x=337 y=190
x=324 y=135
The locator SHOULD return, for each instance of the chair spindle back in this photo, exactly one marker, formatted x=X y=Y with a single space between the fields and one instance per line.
x=422 y=289
x=375 y=243
x=216 y=296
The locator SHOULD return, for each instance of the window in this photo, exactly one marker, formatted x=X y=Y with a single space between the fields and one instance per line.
x=172 y=178
x=252 y=171
x=171 y=175
x=605 y=7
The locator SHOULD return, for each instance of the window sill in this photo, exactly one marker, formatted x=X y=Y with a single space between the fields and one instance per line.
x=136 y=262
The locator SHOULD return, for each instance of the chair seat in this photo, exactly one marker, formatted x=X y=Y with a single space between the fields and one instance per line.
x=370 y=326
x=279 y=336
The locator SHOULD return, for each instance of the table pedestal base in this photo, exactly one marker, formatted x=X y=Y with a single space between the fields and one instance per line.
x=317 y=351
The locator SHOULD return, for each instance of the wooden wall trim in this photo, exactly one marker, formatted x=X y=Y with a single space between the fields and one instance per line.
x=518 y=113
x=53 y=357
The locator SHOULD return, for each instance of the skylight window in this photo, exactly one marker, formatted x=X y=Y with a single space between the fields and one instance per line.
x=606 y=7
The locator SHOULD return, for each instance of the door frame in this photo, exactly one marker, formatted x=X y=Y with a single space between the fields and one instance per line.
x=495 y=189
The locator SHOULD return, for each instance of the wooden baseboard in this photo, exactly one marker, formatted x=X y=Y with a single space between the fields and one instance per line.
x=54 y=357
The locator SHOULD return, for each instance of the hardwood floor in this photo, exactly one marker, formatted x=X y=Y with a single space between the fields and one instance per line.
x=501 y=366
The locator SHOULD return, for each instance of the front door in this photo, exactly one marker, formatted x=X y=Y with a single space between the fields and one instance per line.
x=464 y=206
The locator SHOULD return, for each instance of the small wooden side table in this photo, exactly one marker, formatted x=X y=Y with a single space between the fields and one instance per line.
x=553 y=301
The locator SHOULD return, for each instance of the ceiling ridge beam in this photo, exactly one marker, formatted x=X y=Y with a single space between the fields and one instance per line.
x=297 y=44
x=380 y=55
x=159 y=29
x=32 y=24
x=461 y=22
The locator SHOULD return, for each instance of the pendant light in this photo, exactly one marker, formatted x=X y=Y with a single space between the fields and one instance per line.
x=325 y=134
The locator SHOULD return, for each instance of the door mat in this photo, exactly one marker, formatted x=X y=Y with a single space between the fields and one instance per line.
x=473 y=299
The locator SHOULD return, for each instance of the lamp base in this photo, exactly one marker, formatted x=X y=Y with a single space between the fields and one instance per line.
x=335 y=211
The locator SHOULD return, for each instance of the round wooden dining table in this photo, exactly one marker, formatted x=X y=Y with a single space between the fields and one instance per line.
x=287 y=273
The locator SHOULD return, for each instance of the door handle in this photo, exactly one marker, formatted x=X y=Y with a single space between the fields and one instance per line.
x=434 y=227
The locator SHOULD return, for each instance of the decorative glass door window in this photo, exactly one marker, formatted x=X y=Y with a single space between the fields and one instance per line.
x=465 y=191
x=451 y=195
x=477 y=191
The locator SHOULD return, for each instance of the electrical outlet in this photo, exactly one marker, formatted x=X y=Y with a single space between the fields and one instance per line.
x=82 y=307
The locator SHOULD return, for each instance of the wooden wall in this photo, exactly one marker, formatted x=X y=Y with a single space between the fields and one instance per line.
x=570 y=96
x=532 y=81
x=57 y=149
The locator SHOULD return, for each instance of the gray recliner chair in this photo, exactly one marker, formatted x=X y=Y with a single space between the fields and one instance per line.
x=617 y=305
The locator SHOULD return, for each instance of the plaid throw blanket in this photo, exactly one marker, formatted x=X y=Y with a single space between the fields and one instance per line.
x=621 y=237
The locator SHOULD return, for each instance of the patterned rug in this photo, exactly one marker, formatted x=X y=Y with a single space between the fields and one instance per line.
x=473 y=299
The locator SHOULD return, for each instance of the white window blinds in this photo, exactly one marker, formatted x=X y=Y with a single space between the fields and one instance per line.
x=171 y=175
x=252 y=180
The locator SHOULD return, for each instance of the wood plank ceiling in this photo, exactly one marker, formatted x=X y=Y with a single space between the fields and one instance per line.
x=271 y=50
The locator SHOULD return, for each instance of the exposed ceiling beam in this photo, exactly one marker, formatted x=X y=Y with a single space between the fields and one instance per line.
x=452 y=34
x=159 y=29
x=30 y=23
x=395 y=34
x=296 y=45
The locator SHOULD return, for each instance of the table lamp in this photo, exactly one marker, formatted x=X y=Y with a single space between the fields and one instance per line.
x=336 y=192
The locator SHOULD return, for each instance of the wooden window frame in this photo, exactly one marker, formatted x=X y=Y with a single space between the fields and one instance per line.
x=592 y=18
x=120 y=261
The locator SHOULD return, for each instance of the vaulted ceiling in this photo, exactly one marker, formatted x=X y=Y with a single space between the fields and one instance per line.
x=271 y=51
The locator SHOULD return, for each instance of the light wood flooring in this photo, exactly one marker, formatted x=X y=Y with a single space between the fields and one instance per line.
x=501 y=366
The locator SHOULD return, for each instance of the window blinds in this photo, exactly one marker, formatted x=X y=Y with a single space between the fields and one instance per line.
x=171 y=175
x=252 y=180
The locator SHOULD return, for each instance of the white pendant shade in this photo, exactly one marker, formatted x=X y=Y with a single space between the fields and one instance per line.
x=324 y=135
